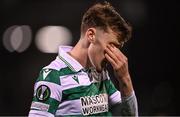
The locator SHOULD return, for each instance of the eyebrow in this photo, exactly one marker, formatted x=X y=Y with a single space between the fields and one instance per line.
x=120 y=42
x=116 y=43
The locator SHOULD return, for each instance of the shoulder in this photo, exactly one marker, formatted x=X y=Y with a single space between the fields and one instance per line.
x=51 y=73
x=57 y=64
x=54 y=72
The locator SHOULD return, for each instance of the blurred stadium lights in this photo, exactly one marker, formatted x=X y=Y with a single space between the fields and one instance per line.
x=135 y=11
x=49 y=38
x=17 y=38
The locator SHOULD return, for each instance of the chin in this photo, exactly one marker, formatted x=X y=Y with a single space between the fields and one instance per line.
x=99 y=69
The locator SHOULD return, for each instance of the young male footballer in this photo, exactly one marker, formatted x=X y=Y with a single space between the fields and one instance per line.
x=77 y=82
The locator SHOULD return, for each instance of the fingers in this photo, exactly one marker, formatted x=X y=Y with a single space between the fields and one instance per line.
x=115 y=53
x=119 y=54
x=111 y=54
x=118 y=61
x=113 y=63
x=115 y=57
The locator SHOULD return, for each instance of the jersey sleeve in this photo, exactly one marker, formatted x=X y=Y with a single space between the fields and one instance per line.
x=47 y=94
x=114 y=94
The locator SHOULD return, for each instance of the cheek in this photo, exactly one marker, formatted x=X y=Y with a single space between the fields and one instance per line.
x=96 y=55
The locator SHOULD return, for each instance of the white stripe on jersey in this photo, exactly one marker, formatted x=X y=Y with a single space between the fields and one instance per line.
x=113 y=98
x=67 y=82
x=36 y=113
x=57 y=64
x=70 y=107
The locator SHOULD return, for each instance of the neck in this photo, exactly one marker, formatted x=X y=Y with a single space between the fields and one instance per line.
x=80 y=53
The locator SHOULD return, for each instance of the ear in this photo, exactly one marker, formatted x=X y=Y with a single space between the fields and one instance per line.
x=90 y=34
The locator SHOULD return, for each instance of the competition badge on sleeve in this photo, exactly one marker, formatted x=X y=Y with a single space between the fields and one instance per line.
x=43 y=93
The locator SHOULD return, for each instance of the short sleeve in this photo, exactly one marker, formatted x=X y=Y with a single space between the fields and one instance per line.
x=47 y=94
x=114 y=94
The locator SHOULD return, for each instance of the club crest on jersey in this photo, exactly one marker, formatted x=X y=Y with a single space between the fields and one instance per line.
x=43 y=93
x=94 y=104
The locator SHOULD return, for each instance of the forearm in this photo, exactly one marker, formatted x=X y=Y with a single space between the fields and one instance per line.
x=129 y=102
x=128 y=106
x=125 y=86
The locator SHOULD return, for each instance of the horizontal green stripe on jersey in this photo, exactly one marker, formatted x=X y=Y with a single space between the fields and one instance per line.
x=54 y=75
x=105 y=86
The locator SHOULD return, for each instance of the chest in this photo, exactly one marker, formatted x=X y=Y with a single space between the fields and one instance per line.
x=85 y=96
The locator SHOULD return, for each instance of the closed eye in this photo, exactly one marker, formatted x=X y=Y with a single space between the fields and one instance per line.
x=117 y=45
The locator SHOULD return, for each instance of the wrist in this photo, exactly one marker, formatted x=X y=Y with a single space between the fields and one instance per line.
x=125 y=86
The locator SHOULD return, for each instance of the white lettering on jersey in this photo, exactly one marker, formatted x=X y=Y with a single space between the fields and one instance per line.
x=94 y=104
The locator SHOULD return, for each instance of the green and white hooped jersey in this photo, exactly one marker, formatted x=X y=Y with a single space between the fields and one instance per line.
x=64 y=88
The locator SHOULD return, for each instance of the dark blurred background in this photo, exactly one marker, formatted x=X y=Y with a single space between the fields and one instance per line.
x=31 y=29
